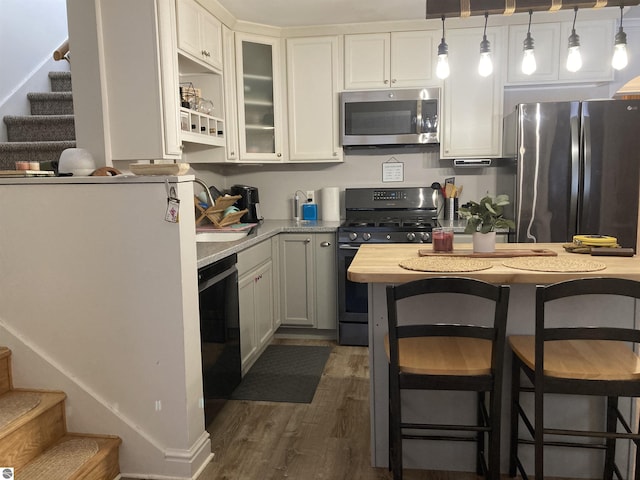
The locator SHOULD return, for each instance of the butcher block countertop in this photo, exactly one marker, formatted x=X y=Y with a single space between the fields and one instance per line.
x=379 y=263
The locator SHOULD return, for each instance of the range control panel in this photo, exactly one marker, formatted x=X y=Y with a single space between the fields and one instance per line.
x=389 y=195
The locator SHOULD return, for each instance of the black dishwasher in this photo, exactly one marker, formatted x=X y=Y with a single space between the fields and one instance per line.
x=219 y=333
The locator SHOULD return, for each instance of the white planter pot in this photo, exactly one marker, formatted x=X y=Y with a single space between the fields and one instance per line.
x=484 y=242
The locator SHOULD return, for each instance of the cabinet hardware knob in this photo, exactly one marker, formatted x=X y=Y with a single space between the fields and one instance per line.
x=335 y=154
x=386 y=82
x=325 y=244
x=278 y=155
x=307 y=240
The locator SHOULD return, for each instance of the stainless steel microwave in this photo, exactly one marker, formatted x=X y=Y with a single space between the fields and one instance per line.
x=390 y=117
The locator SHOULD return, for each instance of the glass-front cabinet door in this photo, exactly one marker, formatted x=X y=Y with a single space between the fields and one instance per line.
x=259 y=98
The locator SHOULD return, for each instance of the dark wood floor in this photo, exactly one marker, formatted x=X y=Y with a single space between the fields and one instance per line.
x=327 y=439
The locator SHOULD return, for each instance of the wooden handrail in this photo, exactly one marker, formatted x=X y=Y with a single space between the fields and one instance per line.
x=62 y=52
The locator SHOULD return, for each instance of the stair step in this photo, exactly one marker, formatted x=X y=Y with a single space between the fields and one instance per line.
x=51 y=103
x=25 y=128
x=60 y=81
x=5 y=370
x=11 y=152
x=25 y=437
x=75 y=457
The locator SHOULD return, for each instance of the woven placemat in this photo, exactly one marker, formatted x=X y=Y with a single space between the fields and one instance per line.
x=15 y=404
x=61 y=461
x=444 y=264
x=554 y=264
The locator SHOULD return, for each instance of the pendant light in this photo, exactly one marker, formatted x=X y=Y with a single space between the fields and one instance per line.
x=620 y=57
x=528 y=58
x=442 y=68
x=485 y=67
x=574 y=59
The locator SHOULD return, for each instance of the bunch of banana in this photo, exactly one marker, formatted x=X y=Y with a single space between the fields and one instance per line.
x=583 y=243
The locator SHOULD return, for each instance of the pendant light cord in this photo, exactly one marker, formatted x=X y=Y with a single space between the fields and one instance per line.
x=486 y=19
x=575 y=15
x=621 y=10
x=443 y=27
x=529 y=27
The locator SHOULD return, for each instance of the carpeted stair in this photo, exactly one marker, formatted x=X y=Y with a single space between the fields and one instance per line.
x=34 y=440
x=43 y=135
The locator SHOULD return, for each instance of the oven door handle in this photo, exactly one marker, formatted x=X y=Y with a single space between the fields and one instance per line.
x=348 y=247
x=207 y=282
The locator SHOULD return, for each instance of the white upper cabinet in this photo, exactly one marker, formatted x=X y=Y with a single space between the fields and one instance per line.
x=413 y=56
x=141 y=87
x=472 y=105
x=230 y=104
x=551 y=46
x=199 y=33
x=260 y=103
x=313 y=70
x=366 y=61
x=398 y=59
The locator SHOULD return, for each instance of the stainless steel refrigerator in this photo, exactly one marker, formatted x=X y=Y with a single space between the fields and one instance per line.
x=578 y=169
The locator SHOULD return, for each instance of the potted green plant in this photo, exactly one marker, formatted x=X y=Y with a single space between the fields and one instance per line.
x=483 y=219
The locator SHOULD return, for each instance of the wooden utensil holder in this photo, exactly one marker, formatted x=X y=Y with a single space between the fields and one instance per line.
x=215 y=214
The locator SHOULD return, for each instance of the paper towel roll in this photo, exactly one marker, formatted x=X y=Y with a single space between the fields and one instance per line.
x=330 y=204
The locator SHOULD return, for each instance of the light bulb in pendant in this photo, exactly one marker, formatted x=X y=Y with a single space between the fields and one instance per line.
x=574 y=59
x=620 y=58
x=529 y=62
x=442 y=67
x=485 y=67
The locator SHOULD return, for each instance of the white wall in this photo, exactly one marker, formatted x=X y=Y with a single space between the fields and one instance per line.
x=277 y=183
x=99 y=298
x=30 y=30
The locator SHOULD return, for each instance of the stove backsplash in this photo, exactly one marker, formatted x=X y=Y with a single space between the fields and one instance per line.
x=276 y=182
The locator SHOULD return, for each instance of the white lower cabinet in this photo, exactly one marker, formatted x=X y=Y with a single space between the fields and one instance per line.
x=256 y=297
x=308 y=280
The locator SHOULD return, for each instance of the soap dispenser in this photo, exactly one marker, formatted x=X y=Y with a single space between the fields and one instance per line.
x=309 y=210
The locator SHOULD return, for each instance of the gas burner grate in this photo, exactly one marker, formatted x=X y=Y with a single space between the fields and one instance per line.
x=360 y=223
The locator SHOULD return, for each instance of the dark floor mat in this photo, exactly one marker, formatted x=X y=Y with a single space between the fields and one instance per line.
x=284 y=373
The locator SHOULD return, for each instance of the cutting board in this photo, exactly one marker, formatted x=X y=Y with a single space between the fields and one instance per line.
x=536 y=252
x=159 y=168
x=27 y=173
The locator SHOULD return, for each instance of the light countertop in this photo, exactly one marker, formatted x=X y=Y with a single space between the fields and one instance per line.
x=378 y=263
x=209 y=252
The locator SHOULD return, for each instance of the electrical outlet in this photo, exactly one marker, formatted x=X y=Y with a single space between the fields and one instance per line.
x=311 y=195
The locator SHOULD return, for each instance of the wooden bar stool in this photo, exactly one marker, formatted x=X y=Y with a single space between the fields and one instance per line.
x=447 y=356
x=595 y=360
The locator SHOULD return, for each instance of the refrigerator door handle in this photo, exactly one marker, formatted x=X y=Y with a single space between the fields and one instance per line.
x=586 y=158
x=575 y=175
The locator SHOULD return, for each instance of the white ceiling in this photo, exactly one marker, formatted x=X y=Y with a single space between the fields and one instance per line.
x=290 y=13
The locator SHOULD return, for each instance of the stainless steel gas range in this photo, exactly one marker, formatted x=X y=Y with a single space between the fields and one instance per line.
x=377 y=215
